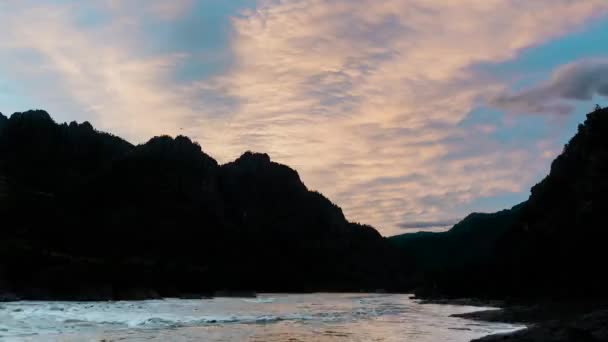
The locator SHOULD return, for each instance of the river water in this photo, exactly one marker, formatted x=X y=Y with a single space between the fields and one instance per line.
x=268 y=318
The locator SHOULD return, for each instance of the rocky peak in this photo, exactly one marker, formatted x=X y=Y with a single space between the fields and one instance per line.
x=33 y=116
x=180 y=148
x=253 y=158
x=3 y=120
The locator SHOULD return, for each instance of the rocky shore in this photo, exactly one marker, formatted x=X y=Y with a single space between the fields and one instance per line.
x=550 y=322
x=582 y=320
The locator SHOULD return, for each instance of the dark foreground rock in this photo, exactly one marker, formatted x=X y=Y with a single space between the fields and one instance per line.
x=479 y=302
x=8 y=297
x=552 y=322
x=592 y=327
x=235 y=294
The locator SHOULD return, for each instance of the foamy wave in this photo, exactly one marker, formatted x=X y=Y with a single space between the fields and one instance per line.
x=33 y=317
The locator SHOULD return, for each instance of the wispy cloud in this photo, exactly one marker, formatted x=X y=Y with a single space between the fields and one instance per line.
x=355 y=92
x=578 y=81
x=101 y=70
x=364 y=98
x=418 y=225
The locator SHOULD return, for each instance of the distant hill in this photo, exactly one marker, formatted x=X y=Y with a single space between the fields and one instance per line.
x=468 y=241
x=552 y=245
x=447 y=262
x=87 y=215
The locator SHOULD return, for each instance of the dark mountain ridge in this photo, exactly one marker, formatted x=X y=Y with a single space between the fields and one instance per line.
x=551 y=246
x=559 y=243
x=87 y=215
x=448 y=263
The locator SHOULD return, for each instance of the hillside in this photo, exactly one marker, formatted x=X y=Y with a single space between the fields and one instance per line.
x=558 y=245
x=87 y=215
x=448 y=262
x=552 y=245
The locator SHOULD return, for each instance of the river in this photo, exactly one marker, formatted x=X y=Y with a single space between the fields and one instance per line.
x=268 y=318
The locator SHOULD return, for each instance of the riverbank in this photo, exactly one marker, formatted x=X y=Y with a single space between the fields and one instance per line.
x=547 y=320
x=583 y=321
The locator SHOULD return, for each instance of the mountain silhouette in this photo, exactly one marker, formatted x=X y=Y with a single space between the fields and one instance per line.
x=86 y=215
x=553 y=245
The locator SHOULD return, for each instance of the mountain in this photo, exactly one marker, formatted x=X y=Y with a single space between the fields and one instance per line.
x=552 y=245
x=559 y=244
x=449 y=261
x=86 y=215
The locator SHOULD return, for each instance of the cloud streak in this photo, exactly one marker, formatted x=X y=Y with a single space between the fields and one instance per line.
x=428 y=224
x=578 y=81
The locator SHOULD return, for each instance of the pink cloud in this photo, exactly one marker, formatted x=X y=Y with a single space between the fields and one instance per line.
x=353 y=91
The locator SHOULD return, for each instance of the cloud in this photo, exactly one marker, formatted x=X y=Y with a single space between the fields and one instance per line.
x=99 y=71
x=159 y=9
x=365 y=98
x=428 y=224
x=578 y=81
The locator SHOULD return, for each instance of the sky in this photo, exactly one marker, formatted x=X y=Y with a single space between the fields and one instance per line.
x=409 y=114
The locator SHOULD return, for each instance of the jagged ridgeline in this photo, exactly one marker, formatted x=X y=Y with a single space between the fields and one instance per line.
x=552 y=245
x=87 y=215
